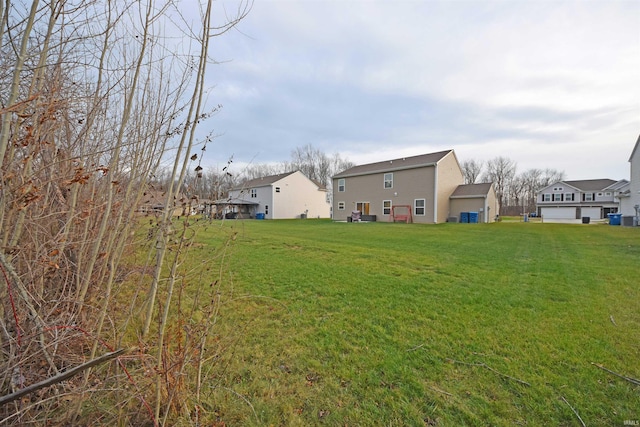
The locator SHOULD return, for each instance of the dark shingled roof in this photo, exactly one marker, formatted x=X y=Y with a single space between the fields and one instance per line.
x=471 y=190
x=264 y=181
x=395 y=164
x=591 y=184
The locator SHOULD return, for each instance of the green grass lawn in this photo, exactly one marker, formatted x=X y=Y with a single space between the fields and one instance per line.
x=402 y=324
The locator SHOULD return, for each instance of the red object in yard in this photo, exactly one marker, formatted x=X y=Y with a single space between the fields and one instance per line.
x=401 y=217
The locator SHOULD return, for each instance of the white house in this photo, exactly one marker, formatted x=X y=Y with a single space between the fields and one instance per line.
x=630 y=199
x=283 y=196
x=593 y=198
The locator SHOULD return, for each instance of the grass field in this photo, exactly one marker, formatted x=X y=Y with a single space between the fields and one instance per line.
x=453 y=324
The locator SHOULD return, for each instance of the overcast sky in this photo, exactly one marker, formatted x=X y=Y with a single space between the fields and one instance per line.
x=546 y=83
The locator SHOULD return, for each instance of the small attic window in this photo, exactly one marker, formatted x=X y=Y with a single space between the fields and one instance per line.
x=277 y=189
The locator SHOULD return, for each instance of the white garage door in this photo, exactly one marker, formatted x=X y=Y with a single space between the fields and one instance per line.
x=593 y=213
x=559 y=213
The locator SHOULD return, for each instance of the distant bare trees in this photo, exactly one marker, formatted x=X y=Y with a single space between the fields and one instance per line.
x=311 y=161
x=501 y=172
x=471 y=169
x=515 y=192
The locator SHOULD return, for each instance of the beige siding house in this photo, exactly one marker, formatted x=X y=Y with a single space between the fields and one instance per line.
x=283 y=196
x=420 y=185
x=480 y=198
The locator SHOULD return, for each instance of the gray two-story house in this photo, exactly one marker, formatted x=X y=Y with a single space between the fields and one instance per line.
x=416 y=188
x=592 y=198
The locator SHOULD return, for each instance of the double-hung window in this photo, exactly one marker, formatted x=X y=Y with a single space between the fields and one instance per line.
x=340 y=206
x=341 y=185
x=388 y=180
x=419 y=206
x=386 y=207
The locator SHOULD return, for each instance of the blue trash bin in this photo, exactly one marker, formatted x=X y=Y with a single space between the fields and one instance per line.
x=464 y=217
x=615 y=218
x=473 y=217
x=260 y=215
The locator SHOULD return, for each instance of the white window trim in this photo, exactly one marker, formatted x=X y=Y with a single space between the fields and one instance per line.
x=341 y=206
x=342 y=183
x=385 y=180
x=423 y=207
x=389 y=208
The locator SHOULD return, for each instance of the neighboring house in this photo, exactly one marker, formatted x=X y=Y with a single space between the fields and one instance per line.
x=593 y=198
x=630 y=199
x=479 y=198
x=422 y=184
x=153 y=202
x=283 y=196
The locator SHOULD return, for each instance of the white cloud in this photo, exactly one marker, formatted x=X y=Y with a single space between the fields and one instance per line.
x=549 y=84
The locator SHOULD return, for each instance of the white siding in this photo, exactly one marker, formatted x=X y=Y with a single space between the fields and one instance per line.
x=298 y=195
x=559 y=213
x=593 y=213
x=635 y=181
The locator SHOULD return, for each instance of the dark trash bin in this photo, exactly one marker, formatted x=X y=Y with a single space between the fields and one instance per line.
x=586 y=219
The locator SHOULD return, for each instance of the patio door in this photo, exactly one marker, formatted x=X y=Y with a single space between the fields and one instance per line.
x=363 y=207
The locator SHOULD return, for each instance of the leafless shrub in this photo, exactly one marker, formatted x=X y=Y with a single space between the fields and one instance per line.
x=94 y=96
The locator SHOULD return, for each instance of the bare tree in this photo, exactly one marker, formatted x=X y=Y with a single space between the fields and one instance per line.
x=316 y=164
x=501 y=171
x=471 y=169
x=312 y=162
x=96 y=99
x=529 y=182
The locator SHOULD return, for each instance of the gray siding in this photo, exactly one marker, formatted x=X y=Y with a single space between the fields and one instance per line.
x=408 y=185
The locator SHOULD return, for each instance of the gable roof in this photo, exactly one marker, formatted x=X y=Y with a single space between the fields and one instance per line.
x=637 y=146
x=591 y=184
x=396 y=164
x=264 y=181
x=617 y=185
x=471 y=190
x=234 y=201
